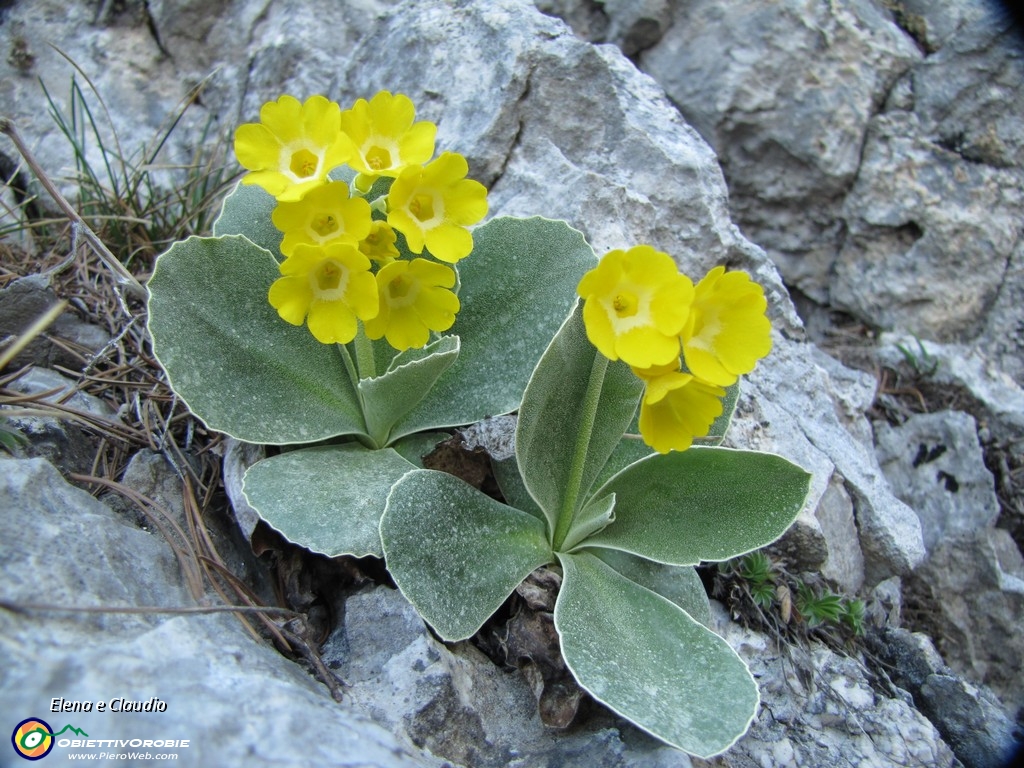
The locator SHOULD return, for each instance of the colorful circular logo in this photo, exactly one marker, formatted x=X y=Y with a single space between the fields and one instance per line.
x=32 y=738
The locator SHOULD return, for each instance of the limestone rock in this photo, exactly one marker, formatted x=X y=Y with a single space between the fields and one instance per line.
x=970 y=718
x=783 y=92
x=819 y=708
x=234 y=698
x=929 y=234
x=24 y=301
x=970 y=596
x=120 y=56
x=936 y=464
x=59 y=437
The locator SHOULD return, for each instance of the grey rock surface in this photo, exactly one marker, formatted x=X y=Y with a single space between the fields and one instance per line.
x=25 y=300
x=819 y=708
x=874 y=149
x=458 y=704
x=971 y=720
x=936 y=463
x=758 y=80
x=970 y=596
x=234 y=698
x=53 y=419
x=928 y=233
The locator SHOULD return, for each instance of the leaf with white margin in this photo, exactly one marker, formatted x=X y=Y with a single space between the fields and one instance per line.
x=516 y=288
x=246 y=211
x=328 y=499
x=237 y=365
x=702 y=504
x=556 y=446
x=596 y=515
x=679 y=583
x=456 y=553
x=390 y=396
x=649 y=661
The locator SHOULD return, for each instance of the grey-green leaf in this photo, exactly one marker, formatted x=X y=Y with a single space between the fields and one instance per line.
x=721 y=425
x=595 y=515
x=651 y=662
x=513 y=489
x=456 y=553
x=389 y=397
x=240 y=367
x=517 y=286
x=702 y=504
x=246 y=211
x=328 y=499
x=554 y=439
x=678 y=583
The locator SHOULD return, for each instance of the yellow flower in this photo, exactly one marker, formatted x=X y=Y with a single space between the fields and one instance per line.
x=676 y=408
x=414 y=300
x=728 y=331
x=433 y=205
x=637 y=303
x=328 y=287
x=384 y=137
x=379 y=244
x=325 y=215
x=292 y=148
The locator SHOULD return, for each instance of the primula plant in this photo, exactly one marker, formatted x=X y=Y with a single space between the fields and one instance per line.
x=348 y=310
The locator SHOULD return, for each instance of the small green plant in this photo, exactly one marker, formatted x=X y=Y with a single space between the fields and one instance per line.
x=816 y=608
x=770 y=587
x=328 y=309
x=921 y=360
x=853 y=615
x=136 y=203
x=757 y=569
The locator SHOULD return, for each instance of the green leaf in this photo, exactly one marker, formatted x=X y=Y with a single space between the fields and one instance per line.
x=680 y=584
x=683 y=507
x=237 y=365
x=632 y=448
x=649 y=661
x=411 y=374
x=246 y=211
x=455 y=553
x=517 y=286
x=629 y=450
x=414 y=447
x=721 y=425
x=513 y=489
x=328 y=499
x=595 y=516
x=562 y=442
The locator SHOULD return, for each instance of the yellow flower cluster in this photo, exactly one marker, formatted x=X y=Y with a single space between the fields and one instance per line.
x=687 y=343
x=342 y=252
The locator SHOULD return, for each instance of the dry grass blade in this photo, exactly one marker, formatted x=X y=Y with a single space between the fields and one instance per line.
x=122 y=275
x=25 y=338
x=164 y=522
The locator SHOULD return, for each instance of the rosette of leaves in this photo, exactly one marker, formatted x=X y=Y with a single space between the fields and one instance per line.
x=615 y=518
x=346 y=440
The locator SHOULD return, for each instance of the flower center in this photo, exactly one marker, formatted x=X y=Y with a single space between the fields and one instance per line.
x=422 y=206
x=330 y=279
x=378 y=158
x=325 y=224
x=304 y=163
x=625 y=304
x=399 y=288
